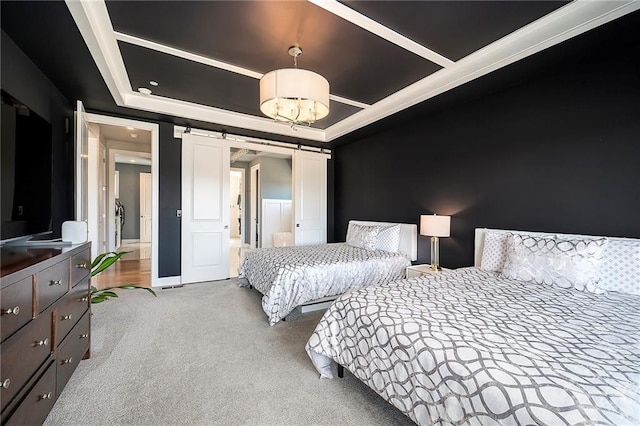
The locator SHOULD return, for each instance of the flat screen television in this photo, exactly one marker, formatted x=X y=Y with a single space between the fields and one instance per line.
x=25 y=173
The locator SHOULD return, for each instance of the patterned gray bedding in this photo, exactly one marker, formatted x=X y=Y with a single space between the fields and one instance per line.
x=470 y=347
x=291 y=276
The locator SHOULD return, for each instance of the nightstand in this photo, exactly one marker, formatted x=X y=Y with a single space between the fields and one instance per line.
x=420 y=270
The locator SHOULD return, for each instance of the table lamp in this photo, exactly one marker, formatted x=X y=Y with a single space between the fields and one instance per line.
x=435 y=226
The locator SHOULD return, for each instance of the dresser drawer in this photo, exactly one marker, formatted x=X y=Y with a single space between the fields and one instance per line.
x=23 y=353
x=69 y=310
x=72 y=350
x=39 y=401
x=80 y=266
x=16 y=301
x=53 y=283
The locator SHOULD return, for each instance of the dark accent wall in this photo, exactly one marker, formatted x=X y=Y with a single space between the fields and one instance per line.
x=22 y=79
x=559 y=153
x=130 y=197
x=170 y=200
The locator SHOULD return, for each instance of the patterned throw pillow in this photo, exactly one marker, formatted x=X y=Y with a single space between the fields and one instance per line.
x=562 y=263
x=388 y=238
x=362 y=236
x=494 y=251
x=620 y=270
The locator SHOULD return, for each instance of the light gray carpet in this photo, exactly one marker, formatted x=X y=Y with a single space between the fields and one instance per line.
x=205 y=354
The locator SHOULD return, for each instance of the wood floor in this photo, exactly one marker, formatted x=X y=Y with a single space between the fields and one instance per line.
x=124 y=272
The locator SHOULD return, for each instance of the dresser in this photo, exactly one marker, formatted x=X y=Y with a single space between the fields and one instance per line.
x=45 y=325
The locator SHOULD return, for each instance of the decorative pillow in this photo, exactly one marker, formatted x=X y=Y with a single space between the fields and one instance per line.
x=563 y=263
x=620 y=269
x=388 y=238
x=494 y=251
x=362 y=236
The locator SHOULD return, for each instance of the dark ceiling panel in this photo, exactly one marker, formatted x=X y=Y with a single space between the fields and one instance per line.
x=190 y=81
x=454 y=29
x=256 y=35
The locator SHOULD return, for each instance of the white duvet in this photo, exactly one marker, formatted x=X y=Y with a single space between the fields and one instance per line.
x=469 y=347
x=291 y=276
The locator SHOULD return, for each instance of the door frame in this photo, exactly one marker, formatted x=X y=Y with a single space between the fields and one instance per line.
x=140 y=178
x=254 y=204
x=243 y=202
x=155 y=140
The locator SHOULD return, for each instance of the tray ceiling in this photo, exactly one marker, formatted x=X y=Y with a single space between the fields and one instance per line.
x=379 y=57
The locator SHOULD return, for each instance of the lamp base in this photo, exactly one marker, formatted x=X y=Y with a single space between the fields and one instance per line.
x=435 y=253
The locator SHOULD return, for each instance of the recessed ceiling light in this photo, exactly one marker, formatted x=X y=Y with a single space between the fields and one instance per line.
x=144 y=90
x=130 y=128
x=133 y=135
x=153 y=83
x=132 y=161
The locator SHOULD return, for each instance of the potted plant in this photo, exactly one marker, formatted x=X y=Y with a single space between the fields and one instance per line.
x=99 y=264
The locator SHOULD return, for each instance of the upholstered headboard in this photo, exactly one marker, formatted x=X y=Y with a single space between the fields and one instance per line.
x=408 y=236
x=620 y=267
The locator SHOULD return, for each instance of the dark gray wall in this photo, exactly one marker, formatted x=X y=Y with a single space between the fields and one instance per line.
x=130 y=197
x=170 y=200
x=22 y=79
x=275 y=178
x=557 y=153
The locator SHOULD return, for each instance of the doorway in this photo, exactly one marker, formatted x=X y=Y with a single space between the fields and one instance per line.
x=122 y=136
x=133 y=199
x=205 y=215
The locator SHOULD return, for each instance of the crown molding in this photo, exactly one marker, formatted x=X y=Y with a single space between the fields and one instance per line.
x=575 y=18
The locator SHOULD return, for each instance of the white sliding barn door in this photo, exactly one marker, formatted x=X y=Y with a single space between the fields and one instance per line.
x=310 y=198
x=205 y=209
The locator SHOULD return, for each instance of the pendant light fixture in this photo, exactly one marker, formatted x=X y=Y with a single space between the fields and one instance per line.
x=294 y=95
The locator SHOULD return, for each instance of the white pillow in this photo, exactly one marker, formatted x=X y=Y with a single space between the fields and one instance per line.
x=562 y=263
x=388 y=238
x=494 y=251
x=362 y=236
x=620 y=270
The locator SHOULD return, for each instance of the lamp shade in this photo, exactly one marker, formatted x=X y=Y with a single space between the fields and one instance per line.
x=435 y=226
x=294 y=95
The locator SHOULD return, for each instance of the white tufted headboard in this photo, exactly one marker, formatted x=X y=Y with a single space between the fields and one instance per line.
x=408 y=236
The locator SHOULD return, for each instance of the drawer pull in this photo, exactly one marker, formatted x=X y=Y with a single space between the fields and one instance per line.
x=47 y=395
x=55 y=282
x=14 y=311
x=84 y=336
x=83 y=265
x=66 y=361
x=44 y=342
x=65 y=317
x=83 y=299
x=6 y=383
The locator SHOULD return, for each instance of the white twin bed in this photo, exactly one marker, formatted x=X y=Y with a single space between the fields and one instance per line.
x=545 y=329
x=313 y=276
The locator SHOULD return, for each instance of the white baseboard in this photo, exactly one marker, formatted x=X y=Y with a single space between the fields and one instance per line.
x=165 y=281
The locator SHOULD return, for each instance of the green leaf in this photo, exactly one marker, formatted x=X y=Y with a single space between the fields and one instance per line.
x=108 y=293
x=107 y=260
x=98 y=299
x=97 y=260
